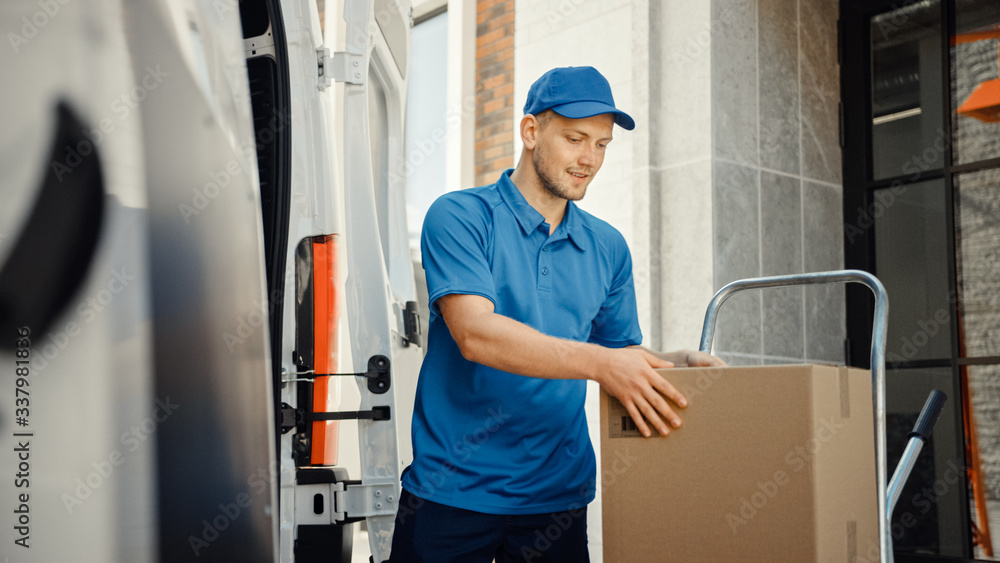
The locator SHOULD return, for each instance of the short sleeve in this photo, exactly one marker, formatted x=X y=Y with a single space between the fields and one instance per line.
x=454 y=248
x=617 y=322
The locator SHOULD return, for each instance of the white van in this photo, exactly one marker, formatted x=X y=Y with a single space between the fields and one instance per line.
x=203 y=252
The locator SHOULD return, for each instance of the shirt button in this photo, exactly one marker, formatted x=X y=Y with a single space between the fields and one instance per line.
x=545 y=271
x=545 y=249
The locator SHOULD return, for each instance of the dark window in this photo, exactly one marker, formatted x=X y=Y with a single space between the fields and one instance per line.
x=921 y=140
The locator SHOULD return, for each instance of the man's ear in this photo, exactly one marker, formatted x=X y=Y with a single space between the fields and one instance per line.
x=529 y=131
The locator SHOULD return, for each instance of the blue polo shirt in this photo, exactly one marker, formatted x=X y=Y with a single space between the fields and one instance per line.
x=492 y=441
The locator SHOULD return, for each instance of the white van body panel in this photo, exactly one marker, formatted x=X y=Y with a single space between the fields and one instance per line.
x=90 y=376
x=216 y=480
x=188 y=327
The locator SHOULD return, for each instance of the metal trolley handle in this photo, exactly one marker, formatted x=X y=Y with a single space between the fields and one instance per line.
x=877 y=364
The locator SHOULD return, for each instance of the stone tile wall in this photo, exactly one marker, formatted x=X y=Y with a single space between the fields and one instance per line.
x=777 y=197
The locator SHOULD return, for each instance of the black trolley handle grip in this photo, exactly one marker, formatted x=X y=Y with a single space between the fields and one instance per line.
x=920 y=433
x=928 y=416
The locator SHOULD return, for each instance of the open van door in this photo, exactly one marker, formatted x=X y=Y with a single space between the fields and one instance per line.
x=75 y=338
x=131 y=253
x=380 y=290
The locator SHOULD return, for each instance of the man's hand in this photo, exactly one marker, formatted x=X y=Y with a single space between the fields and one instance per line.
x=689 y=358
x=642 y=395
x=628 y=376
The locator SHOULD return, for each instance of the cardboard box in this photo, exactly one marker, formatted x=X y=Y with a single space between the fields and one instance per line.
x=772 y=463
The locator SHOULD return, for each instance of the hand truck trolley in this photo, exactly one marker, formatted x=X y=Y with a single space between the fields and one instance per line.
x=889 y=494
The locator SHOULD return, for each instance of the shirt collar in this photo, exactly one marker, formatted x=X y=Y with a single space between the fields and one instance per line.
x=529 y=218
x=573 y=223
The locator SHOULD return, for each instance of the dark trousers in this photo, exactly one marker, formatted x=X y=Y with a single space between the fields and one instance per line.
x=428 y=532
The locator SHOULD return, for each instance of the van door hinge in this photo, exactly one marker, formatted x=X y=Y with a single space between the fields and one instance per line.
x=343 y=502
x=360 y=500
x=340 y=67
x=411 y=321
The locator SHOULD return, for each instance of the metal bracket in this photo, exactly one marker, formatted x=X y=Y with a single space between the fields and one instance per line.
x=378 y=374
x=377 y=413
x=335 y=503
x=367 y=499
x=341 y=67
x=411 y=321
x=316 y=504
x=290 y=417
x=259 y=46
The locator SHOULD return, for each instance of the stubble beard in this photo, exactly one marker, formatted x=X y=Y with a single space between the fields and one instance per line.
x=550 y=185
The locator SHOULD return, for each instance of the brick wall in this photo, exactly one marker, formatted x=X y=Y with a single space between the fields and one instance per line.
x=494 y=89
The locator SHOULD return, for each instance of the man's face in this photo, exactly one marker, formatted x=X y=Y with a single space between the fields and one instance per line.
x=569 y=152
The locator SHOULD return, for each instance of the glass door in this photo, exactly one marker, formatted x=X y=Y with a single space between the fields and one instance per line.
x=921 y=140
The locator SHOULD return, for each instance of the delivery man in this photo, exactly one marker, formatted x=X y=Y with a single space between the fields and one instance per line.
x=530 y=296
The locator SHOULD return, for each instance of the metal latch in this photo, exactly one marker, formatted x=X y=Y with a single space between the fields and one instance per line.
x=379 y=374
x=411 y=322
x=341 y=67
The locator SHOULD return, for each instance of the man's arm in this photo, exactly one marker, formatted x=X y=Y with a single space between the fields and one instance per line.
x=493 y=340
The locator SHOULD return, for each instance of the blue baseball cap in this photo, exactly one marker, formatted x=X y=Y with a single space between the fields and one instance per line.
x=575 y=92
